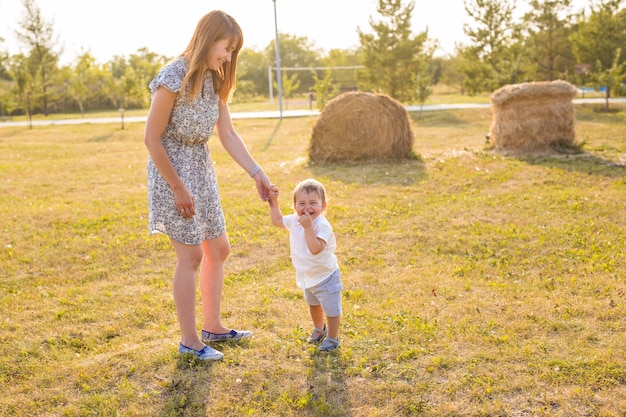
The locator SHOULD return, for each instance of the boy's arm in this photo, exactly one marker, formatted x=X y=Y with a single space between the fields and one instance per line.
x=275 y=214
x=314 y=243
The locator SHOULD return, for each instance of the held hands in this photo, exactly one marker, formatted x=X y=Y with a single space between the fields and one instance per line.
x=263 y=184
x=273 y=196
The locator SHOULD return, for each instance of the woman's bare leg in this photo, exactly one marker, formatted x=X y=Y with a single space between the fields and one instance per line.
x=188 y=259
x=215 y=252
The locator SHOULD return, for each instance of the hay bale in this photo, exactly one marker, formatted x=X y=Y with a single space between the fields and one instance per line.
x=361 y=126
x=533 y=117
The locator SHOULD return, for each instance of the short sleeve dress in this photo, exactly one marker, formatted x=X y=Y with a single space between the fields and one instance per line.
x=186 y=141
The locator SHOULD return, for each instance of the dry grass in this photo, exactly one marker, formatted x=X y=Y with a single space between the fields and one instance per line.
x=476 y=284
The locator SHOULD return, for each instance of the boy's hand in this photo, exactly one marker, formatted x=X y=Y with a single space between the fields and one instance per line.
x=274 y=192
x=306 y=220
x=273 y=195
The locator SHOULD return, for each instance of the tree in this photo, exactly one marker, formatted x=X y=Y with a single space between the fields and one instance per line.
x=548 y=26
x=611 y=78
x=599 y=40
x=601 y=34
x=142 y=67
x=115 y=82
x=392 y=56
x=451 y=71
x=252 y=74
x=290 y=84
x=5 y=83
x=424 y=81
x=83 y=85
x=491 y=60
x=38 y=35
x=325 y=88
x=24 y=85
x=295 y=51
x=341 y=77
x=81 y=80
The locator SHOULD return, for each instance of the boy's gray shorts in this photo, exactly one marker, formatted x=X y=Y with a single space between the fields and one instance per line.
x=327 y=293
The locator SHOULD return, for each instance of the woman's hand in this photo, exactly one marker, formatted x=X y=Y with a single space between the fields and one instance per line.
x=263 y=185
x=184 y=202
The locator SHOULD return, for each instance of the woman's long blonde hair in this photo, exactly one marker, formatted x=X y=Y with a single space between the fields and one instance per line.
x=213 y=27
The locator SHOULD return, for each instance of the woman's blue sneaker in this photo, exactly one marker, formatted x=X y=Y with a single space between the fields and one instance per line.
x=220 y=337
x=207 y=353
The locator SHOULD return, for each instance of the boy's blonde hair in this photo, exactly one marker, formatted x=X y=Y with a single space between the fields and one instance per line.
x=310 y=186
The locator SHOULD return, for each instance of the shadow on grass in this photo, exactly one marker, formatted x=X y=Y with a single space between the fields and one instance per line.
x=102 y=138
x=187 y=394
x=327 y=385
x=6 y=134
x=406 y=172
x=582 y=163
x=269 y=140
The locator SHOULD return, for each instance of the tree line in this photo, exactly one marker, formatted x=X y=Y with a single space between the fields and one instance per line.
x=549 y=41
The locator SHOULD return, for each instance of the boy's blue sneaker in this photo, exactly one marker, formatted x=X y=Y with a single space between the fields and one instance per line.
x=318 y=335
x=329 y=344
x=220 y=337
x=207 y=353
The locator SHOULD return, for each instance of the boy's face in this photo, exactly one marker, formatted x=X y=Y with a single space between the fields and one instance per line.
x=309 y=204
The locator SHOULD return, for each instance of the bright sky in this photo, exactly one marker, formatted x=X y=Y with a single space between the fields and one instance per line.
x=121 y=27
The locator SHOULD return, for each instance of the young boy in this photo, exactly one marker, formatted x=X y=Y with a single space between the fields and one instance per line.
x=312 y=246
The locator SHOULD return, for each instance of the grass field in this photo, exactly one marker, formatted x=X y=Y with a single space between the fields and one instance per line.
x=475 y=284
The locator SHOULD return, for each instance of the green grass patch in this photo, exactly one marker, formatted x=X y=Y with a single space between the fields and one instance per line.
x=476 y=284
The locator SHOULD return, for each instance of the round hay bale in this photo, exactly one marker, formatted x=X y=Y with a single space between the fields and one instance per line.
x=361 y=126
x=533 y=117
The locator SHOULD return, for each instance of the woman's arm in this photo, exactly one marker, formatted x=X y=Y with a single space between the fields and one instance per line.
x=237 y=149
x=158 y=116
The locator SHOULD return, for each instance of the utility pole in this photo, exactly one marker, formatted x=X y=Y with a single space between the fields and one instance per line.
x=279 y=75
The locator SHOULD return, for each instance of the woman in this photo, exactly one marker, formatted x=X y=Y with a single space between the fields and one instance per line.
x=190 y=98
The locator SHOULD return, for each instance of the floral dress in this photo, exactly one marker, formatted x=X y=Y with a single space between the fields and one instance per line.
x=185 y=140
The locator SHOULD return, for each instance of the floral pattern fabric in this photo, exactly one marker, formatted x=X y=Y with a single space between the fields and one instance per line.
x=186 y=141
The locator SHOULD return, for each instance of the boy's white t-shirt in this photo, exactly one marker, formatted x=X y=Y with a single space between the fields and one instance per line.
x=311 y=269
